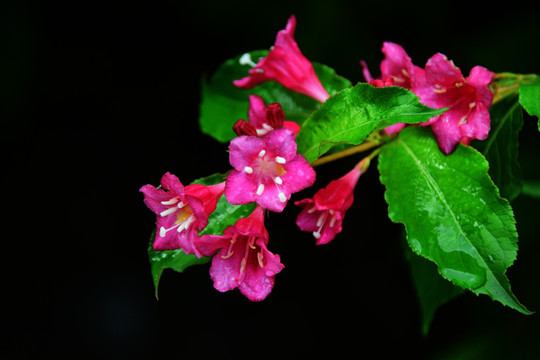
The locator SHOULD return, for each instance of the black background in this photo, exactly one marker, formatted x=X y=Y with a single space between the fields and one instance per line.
x=100 y=98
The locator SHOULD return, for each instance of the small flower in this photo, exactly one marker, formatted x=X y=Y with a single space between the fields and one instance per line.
x=263 y=119
x=324 y=213
x=392 y=129
x=267 y=170
x=286 y=65
x=180 y=211
x=396 y=67
x=243 y=260
x=468 y=100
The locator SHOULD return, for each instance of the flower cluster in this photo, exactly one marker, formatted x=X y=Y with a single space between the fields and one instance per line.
x=442 y=85
x=267 y=170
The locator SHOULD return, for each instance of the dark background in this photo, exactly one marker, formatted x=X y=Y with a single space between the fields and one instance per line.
x=100 y=98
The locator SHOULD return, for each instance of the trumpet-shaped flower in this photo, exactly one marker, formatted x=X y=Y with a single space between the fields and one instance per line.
x=286 y=65
x=243 y=260
x=396 y=65
x=468 y=99
x=267 y=170
x=392 y=129
x=323 y=214
x=263 y=119
x=396 y=69
x=181 y=211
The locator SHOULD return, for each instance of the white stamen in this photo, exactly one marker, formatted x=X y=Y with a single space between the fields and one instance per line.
x=260 y=189
x=170 y=202
x=278 y=180
x=280 y=160
x=317 y=235
x=246 y=60
x=186 y=223
x=332 y=221
x=282 y=197
x=162 y=231
x=312 y=210
x=262 y=153
x=260 y=259
x=181 y=205
x=322 y=218
x=471 y=105
x=168 y=212
x=248 y=170
x=267 y=127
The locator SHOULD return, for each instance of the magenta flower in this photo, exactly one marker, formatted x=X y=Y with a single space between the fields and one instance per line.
x=392 y=129
x=323 y=214
x=468 y=100
x=398 y=67
x=286 y=65
x=263 y=119
x=267 y=170
x=180 y=211
x=243 y=260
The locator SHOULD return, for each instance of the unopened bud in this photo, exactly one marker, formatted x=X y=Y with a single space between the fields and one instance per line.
x=242 y=127
x=275 y=115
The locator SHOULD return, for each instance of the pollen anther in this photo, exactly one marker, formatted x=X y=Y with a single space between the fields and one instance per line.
x=280 y=160
x=167 y=212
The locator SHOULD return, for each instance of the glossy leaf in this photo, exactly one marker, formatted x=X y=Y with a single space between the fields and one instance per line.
x=354 y=113
x=529 y=97
x=170 y=259
x=452 y=212
x=223 y=103
x=501 y=146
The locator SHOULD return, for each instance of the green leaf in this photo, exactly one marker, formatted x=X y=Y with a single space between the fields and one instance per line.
x=223 y=103
x=170 y=259
x=354 y=113
x=529 y=97
x=501 y=147
x=432 y=290
x=452 y=212
x=224 y=215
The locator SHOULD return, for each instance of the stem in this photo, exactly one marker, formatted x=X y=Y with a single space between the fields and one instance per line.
x=356 y=149
x=507 y=84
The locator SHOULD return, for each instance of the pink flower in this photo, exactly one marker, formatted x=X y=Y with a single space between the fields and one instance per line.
x=396 y=65
x=468 y=100
x=263 y=119
x=286 y=65
x=267 y=170
x=180 y=211
x=243 y=261
x=392 y=129
x=323 y=214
